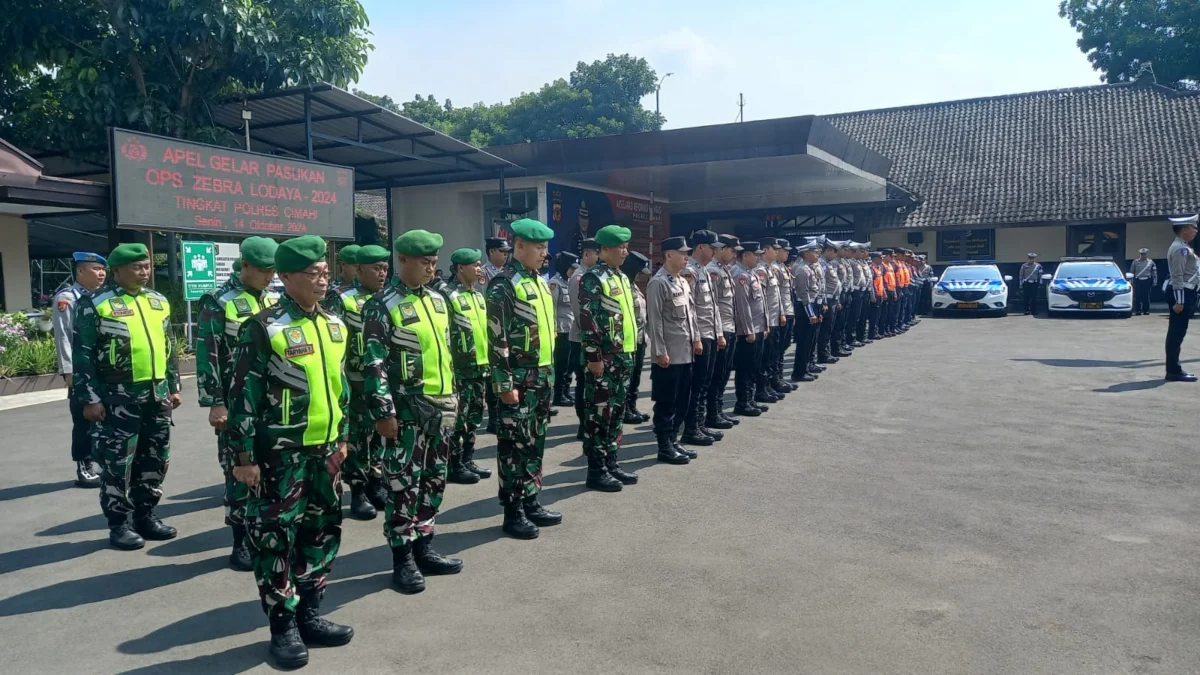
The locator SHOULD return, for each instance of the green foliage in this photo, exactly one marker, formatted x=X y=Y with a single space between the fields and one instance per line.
x=33 y=357
x=1120 y=37
x=71 y=68
x=599 y=98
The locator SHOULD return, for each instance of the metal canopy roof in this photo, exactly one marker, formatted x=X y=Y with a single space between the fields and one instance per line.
x=384 y=149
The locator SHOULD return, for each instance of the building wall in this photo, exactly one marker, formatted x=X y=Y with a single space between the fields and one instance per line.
x=1154 y=235
x=14 y=253
x=1014 y=244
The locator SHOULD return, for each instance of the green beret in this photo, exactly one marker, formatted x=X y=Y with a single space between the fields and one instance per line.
x=532 y=230
x=613 y=235
x=259 y=251
x=368 y=255
x=466 y=256
x=295 y=255
x=127 y=253
x=348 y=254
x=418 y=242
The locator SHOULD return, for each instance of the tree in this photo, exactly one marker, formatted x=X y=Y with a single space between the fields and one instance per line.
x=1120 y=37
x=79 y=66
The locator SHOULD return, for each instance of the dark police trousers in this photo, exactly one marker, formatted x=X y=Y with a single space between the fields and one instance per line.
x=1141 y=295
x=635 y=379
x=825 y=335
x=722 y=368
x=702 y=373
x=562 y=363
x=1177 y=327
x=669 y=389
x=576 y=358
x=1029 y=293
x=806 y=336
x=747 y=359
x=81 y=433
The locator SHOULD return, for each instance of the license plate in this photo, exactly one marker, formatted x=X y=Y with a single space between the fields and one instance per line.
x=1091 y=305
x=968 y=305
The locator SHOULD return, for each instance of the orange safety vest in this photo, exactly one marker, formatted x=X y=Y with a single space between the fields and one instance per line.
x=889 y=276
x=902 y=275
x=878 y=280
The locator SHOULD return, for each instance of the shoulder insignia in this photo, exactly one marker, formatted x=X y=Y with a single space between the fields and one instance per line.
x=63 y=304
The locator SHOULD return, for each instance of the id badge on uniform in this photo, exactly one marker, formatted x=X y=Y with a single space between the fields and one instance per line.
x=298 y=345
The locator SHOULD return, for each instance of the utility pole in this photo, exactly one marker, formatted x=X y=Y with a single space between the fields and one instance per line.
x=658 y=88
x=741 y=108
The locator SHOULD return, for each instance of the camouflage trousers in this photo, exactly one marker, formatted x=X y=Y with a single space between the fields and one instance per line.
x=604 y=399
x=415 y=467
x=521 y=436
x=471 y=393
x=237 y=493
x=362 y=463
x=294 y=525
x=133 y=447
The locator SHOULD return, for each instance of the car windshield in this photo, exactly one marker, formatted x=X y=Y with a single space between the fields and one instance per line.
x=1088 y=271
x=983 y=273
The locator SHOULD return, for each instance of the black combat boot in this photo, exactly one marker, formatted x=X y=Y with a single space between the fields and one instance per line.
x=560 y=397
x=361 y=507
x=460 y=474
x=615 y=470
x=85 y=474
x=631 y=416
x=516 y=523
x=744 y=407
x=693 y=436
x=579 y=434
x=468 y=457
x=405 y=576
x=122 y=535
x=315 y=630
x=287 y=648
x=717 y=420
x=686 y=452
x=715 y=435
x=631 y=404
x=667 y=452
x=598 y=477
x=377 y=492
x=539 y=515
x=239 y=558
x=431 y=562
x=150 y=527
x=763 y=396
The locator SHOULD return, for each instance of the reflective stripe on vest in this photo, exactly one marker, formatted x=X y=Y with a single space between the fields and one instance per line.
x=241 y=305
x=315 y=347
x=617 y=288
x=470 y=306
x=143 y=320
x=543 y=307
x=425 y=316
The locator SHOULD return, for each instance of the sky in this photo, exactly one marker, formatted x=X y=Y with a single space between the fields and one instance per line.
x=786 y=58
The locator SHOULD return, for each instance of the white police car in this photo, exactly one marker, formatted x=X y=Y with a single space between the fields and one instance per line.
x=971 y=287
x=1089 y=286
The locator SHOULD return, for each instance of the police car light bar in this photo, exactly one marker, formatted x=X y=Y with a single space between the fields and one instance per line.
x=1085 y=258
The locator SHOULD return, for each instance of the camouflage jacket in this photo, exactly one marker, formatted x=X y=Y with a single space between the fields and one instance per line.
x=513 y=340
x=215 y=340
x=389 y=368
x=462 y=337
x=357 y=297
x=600 y=317
x=268 y=405
x=102 y=361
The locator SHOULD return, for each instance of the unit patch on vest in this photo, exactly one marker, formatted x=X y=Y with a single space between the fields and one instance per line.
x=335 y=332
x=119 y=308
x=438 y=305
x=408 y=314
x=297 y=345
x=242 y=306
x=530 y=290
x=616 y=290
x=155 y=303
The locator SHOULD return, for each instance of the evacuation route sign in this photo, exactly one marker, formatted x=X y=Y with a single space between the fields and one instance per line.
x=199 y=269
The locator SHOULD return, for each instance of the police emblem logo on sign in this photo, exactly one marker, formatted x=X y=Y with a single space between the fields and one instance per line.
x=120 y=309
x=242 y=305
x=297 y=345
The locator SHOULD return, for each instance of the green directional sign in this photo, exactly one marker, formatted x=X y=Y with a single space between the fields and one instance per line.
x=199 y=269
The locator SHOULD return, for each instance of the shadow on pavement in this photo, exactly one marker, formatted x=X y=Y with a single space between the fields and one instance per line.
x=106 y=586
x=201 y=542
x=165 y=511
x=236 y=660
x=211 y=492
x=1132 y=386
x=22 y=491
x=1096 y=363
x=11 y=561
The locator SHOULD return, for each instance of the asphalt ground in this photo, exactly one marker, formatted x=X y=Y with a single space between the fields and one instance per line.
x=978 y=496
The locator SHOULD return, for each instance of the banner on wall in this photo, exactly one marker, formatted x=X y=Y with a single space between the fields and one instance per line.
x=576 y=214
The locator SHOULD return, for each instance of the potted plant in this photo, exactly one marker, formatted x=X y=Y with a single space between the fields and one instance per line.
x=44 y=322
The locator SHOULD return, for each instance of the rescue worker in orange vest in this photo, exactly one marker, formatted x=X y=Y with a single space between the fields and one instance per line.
x=880 y=296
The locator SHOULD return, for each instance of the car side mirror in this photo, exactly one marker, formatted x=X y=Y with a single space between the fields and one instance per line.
x=1046 y=277
x=1007 y=277
x=1129 y=275
x=933 y=280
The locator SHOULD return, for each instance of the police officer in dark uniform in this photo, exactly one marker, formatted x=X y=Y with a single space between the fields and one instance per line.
x=90 y=273
x=1185 y=280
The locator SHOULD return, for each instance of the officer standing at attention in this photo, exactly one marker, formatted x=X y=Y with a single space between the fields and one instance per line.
x=720 y=278
x=808 y=310
x=1031 y=276
x=288 y=426
x=409 y=380
x=90 y=273
x=348 y=269
x=764 y=392
x=468 y=343
x=521 y=333
x=712 y=339
x=127 y=379
x=827 y=351
x=564 y=318
x=787 y=302
x=608 y=334
x=674 y=342
x=1185 y=278
x=222 y=313
x=497 y=250
x=591 y=254
x=750 y=322
x=636 y=268
x=1145 y=278
x=878 y=296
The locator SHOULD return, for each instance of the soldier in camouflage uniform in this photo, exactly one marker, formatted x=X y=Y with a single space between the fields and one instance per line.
x=410 y=385
x=635 y=265
x=468 y=344
x=288 y=426
x=521 y=333
x=362 y=470
x=222 y=313
x=608 y=335
x=126 y=378
x=348 y=268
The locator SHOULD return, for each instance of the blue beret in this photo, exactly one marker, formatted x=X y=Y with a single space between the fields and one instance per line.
x=88 y=256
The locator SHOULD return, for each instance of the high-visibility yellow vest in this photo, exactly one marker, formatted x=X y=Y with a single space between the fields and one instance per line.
x=240 y=304
x=469 y=306
x=421 y=323
x=534 y=292
x=140 y=324
x=312 y=351
x=352 y=300
x=618 y=288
